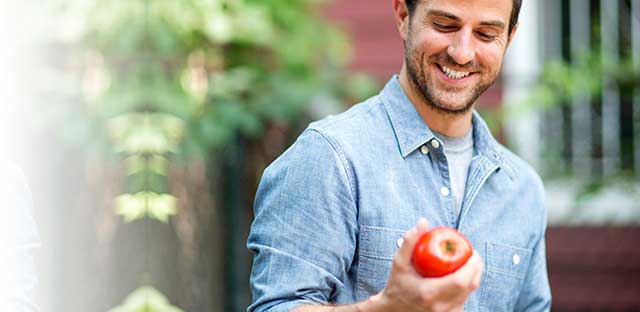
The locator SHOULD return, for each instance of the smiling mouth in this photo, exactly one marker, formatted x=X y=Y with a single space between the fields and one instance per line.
x=453 y=74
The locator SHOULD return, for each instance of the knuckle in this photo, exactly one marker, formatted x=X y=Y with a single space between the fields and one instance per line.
x=441 y=308
x=426 y=298
x=474 y=285
x=396 y=265
x=459 y=282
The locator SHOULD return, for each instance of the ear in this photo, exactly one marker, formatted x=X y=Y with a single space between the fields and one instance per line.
x=513 y=33
x=401 y=15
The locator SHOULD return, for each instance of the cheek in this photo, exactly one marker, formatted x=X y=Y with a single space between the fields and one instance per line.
x=431 y=42
x=490 y=58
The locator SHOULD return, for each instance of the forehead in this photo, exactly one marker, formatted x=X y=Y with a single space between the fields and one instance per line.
x=470 y=10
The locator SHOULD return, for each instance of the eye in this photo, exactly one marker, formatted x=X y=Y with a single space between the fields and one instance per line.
x=486 y=36
x=443 y=27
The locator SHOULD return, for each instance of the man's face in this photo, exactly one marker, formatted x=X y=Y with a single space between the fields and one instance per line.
x=454 y=50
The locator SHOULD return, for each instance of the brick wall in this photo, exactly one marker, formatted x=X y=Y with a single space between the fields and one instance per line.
x=370 y=25
x=594 y=268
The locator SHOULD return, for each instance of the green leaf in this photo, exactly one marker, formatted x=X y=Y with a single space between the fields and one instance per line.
x=146 y=204
x=146 y=299
x=130 y=207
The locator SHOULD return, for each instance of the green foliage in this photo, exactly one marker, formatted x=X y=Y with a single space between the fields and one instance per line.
x=135 y=206
x=223 y=67
x=146 y=299
x=170 y=80
x=164 y=82
x=560 y=81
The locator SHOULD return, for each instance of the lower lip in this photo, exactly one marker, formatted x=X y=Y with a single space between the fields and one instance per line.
x=453 y=80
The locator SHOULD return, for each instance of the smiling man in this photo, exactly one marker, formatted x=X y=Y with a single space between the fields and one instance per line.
x=338 y=214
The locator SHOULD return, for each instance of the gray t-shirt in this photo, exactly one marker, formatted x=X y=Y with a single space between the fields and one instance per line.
x=459 y=152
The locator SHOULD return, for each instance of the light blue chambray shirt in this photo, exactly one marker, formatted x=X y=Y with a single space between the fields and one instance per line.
x=330 y=210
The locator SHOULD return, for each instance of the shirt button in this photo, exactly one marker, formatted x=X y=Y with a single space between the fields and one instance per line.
x=435 y=143
x=424 y=149
x=516 y=259
x=444 y=191
x=399 y=242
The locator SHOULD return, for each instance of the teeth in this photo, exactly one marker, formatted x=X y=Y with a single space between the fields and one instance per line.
x=454 y=74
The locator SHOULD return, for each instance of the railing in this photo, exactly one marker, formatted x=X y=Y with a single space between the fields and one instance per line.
x=594 y=137
x=589 y=142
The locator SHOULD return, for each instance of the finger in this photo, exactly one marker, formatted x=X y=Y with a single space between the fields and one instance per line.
x=423 y=225
x=478 y=277
x=410 y=239
x=473 y=265
x=463 y=277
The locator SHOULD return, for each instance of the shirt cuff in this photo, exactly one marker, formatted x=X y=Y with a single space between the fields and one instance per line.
x=288 y=305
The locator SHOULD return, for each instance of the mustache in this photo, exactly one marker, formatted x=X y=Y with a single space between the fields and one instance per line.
x=445 y=59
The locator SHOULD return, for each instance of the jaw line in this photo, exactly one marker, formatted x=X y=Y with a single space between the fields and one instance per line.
x=414 y=81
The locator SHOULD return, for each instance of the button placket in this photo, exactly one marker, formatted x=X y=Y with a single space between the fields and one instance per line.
x=424 y=149
x=434 y=147
x=444 y=191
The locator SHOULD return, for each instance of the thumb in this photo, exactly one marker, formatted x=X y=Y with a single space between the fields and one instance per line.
x=410 y=239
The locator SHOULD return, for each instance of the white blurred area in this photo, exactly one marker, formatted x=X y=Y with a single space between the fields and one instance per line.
x=20 y=30
x=20 y=241
x=25 y=270
x=43 y=82
x=33 y=35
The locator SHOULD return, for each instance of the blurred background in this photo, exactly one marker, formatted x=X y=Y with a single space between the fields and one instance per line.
x=143 y=127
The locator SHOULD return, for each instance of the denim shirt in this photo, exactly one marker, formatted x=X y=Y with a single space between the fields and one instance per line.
x=330 y=210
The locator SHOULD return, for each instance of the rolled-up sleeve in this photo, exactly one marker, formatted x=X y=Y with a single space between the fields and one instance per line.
x=304 y=233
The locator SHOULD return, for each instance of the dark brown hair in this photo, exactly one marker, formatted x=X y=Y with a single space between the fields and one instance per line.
x=515 y=11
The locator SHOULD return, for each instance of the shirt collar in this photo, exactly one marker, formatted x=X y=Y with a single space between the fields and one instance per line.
x=412 y=132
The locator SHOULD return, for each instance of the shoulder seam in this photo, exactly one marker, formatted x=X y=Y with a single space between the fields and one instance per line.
x=345 y=165
x=344 y=116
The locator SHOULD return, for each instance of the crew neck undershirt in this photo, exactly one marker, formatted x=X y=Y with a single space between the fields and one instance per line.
x=459 y=153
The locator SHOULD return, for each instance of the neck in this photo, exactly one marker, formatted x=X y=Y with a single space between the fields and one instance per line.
x=449 y=124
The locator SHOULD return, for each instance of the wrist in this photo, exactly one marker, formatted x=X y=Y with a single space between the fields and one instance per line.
x=375 y=303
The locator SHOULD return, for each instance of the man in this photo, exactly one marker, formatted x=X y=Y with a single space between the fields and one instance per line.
x=332 y=213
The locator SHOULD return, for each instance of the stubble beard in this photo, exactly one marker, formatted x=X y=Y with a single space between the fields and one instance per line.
x=434 y=98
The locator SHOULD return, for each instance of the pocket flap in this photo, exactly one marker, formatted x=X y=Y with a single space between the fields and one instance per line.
x=508 y=260
x=379 y=242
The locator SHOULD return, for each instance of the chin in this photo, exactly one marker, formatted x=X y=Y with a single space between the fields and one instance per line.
x=460 y=106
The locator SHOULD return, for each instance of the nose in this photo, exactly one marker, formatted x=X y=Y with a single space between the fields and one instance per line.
x=461 y=48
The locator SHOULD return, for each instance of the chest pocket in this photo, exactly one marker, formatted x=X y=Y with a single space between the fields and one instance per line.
x=377 y=246
x=506 y=268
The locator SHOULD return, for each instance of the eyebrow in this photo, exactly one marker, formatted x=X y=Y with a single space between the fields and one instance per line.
x=448 y=15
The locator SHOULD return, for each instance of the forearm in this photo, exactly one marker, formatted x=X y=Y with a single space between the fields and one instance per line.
x=373 y=304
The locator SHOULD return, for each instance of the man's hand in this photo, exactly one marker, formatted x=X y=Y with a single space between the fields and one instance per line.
x=407 y=291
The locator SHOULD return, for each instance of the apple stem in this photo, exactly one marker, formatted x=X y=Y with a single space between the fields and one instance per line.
x=450 y=246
